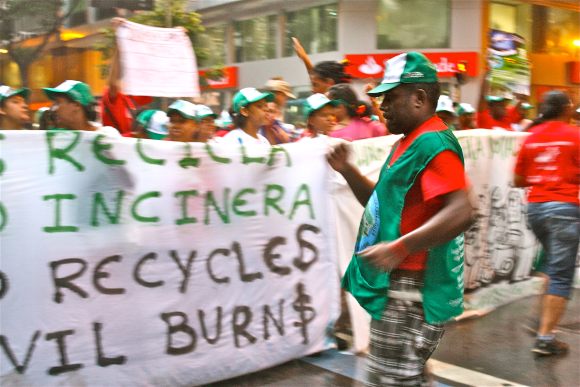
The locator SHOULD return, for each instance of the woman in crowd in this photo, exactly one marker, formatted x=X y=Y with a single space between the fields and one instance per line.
x=183 y=123
x=319 y=112
x=250 y=108
x=348 y=113
x=549 y=164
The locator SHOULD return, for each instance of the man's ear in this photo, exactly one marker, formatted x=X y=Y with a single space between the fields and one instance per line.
x=420 y=98
x=244 y=111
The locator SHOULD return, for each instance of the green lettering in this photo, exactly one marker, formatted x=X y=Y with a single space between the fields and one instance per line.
x=303 y=189
x=99 y=201
x=185 y=219
x=57 y=217
x=210 y=201
x=188 y=160
x=239 y=201
x=144 y=157
x=277 y=149
x=248 y=160
x=99 y=148
x=3 y=217
x=214 y=157
x=62 y=153
x=140 y=218
x=272 y=200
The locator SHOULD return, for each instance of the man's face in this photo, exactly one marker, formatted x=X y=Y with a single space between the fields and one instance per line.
x=397 y=110
x=322 y=120
x=66 y=112
x=447 y=117
x=16 y=110
x=181 y=128
x=467 y=121
x=498 y=109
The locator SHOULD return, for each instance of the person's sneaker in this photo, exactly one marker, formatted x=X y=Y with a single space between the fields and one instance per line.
x=550 y=347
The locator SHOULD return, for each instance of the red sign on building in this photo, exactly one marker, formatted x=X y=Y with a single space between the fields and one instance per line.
x=372 y=65
x=228 y=81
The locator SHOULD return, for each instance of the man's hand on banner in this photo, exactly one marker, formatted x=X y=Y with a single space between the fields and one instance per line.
x=116 y=22
x=386 y=256
x=338 y=158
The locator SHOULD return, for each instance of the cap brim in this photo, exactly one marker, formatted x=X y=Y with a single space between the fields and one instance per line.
x=267 y=96
x=332 y=102
x=493 y=98
x=52 y=93
x=182 y=114
x=289 y=95
x=212 y=115
x=382 y=88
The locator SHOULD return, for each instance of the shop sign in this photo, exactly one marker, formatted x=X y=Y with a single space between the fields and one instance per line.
x=228 y=81
x=447 y=63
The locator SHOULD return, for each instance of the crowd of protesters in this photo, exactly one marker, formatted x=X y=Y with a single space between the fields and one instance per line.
x=428 y=212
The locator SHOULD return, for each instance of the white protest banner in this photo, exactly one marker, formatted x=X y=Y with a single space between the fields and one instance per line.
x=156 y=61
x=140 y=262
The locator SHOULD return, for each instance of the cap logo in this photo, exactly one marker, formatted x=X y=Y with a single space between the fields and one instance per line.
x=414 y=74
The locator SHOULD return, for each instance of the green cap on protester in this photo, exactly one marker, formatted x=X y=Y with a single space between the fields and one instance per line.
x=412 y=67
x=75 y=90
x=496 y=98
x=445 y=104
x=316 y=102
x=465 y=108
x=202 y=111
x=183 y=108
x=249 y=95
x=155 y=123
x=7 y=92
x=526 y=106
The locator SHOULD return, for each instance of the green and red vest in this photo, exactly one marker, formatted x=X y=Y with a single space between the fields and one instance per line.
x=381 y=222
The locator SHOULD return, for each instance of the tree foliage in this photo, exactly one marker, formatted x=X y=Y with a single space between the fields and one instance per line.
x=25 y=19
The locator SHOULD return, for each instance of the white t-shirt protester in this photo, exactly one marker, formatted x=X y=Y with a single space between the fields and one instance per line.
x=238 y=136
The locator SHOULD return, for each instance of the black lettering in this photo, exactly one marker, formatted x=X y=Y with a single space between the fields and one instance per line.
x=20 y=368
x=4 y=284
x=245 y=277
x=98 y=274
x=278 y=324
x=137 y=272
x=185 y=270
x=208 y=262
x=218 y=328
x=239 y=328
x=305 y=311
x=66 y=282
x=181 y=327
x=64 y=366
x=270 y=257
x=299 y=261
x=102 y=360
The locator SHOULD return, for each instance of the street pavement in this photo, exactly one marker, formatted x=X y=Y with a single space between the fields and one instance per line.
x=493 y=350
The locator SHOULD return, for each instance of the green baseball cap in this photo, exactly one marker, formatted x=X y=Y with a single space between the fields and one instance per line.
x=496 y=98
x=465 y=108
x=155 y=123
x=249 y=95
x=183 y=108
x=445 y=104
x=526 y=106
x=75 y=90
x=411 y=67
x=202 y=111
x=316 y=102
x=7 y=92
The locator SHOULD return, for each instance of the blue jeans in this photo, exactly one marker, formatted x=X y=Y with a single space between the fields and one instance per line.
x=557 y=226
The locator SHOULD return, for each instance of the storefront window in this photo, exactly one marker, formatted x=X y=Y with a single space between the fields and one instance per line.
x=214 y=43
x=255 y=39
x=413 y=24
x=315 y=27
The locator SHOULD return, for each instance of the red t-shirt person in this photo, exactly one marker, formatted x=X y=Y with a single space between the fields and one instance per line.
x=116 y=111
x=486 y=121
x=444 y=174
x=549 y=162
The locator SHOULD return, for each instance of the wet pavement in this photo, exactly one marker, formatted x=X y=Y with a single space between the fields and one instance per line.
x=493 y=350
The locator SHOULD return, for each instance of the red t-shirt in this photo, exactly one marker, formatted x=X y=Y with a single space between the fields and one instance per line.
x=486 y=121
x=116 y=112
x=444 y=174
x=549 y=161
